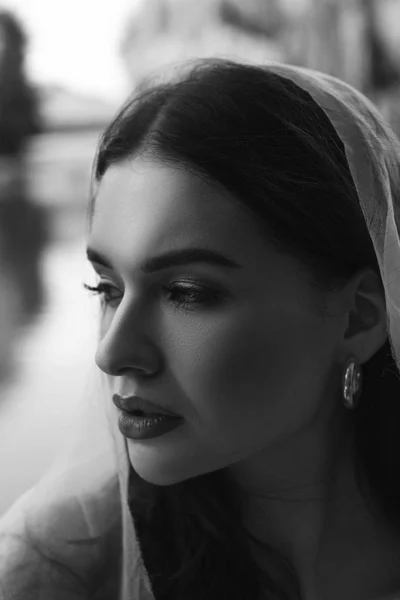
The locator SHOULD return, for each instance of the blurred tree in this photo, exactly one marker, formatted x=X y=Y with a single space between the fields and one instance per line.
x=161 y=33
x=19 y=116
x=23 y=225
x=384 y=67
x=327 y=35
x=256 y=17
x=355 y=40
x=346 y=38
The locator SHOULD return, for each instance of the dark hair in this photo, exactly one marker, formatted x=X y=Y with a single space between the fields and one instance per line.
x=264 y=139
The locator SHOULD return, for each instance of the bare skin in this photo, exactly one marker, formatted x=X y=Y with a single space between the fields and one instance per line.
x=322 y=525
x=256 y=374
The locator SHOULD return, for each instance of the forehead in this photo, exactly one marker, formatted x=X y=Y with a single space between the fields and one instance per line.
x=143 y=207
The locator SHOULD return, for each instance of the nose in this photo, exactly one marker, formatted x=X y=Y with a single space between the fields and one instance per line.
x=126 y=345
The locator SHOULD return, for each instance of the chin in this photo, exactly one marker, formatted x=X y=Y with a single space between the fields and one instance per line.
x=160 y=469
x=156 y=471
x=156 y=477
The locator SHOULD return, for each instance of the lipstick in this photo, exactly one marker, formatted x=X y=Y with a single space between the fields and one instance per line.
x=142 y=419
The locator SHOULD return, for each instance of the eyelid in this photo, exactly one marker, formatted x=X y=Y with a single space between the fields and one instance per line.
x=154 y=280
x=103 y=272
x=99 y=269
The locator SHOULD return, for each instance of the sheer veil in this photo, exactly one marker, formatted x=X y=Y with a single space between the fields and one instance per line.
x=73 y=531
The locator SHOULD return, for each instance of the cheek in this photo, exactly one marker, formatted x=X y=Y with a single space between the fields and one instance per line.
x=240 y=372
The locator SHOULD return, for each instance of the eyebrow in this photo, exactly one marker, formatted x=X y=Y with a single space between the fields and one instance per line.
x=172 y=259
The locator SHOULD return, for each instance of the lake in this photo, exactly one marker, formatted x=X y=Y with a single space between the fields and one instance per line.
x=53 y=358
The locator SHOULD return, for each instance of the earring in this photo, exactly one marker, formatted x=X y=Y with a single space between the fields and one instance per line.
x=352 y=382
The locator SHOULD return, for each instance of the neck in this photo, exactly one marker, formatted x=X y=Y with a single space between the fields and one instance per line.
x=301 y=498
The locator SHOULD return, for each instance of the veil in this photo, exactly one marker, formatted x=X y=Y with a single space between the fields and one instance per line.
x=72 y=536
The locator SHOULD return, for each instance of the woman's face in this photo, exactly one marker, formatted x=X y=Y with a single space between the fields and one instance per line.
x=244 y=358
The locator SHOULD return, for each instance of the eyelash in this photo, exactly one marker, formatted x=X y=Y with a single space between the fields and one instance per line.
x=207 y=295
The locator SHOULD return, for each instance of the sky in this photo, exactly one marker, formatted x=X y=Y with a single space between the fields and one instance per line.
x=75 y=43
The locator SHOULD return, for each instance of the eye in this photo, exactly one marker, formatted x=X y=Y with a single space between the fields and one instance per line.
x=184 y=296
x=105 y=290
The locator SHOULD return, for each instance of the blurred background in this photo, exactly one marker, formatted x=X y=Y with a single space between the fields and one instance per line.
x=64 y=69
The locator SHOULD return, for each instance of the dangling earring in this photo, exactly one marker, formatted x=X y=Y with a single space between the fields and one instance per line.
x=352 y=382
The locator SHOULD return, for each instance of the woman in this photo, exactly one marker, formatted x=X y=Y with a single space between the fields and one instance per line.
x=243 y=236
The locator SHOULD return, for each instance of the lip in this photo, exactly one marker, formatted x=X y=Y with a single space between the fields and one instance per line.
x=145 y=428
x=136 y=403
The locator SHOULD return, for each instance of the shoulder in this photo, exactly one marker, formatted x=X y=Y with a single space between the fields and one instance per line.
x=66 y=543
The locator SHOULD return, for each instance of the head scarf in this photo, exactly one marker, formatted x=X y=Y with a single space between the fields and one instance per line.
x=61 y=537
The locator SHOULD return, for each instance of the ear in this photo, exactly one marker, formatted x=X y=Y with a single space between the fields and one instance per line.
x=366 y=327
